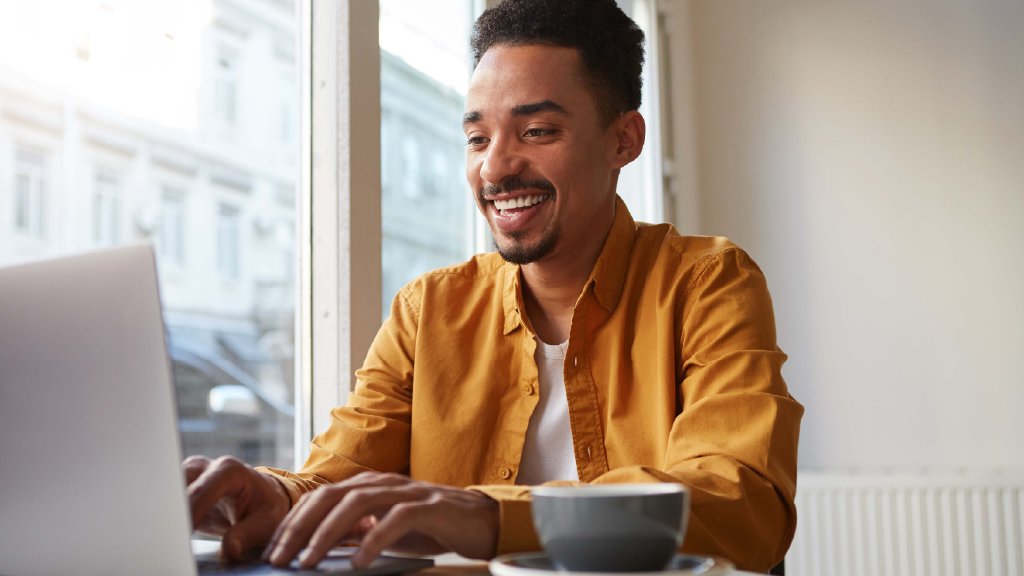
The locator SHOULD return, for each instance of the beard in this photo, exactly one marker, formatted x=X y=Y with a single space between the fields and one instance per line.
x=518 y=252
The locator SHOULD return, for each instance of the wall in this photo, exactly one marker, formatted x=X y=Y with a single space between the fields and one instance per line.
x=870 y=156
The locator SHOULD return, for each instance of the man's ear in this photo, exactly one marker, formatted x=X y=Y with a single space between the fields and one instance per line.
x=627 y=138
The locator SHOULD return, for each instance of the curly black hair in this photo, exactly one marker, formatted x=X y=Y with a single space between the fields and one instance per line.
x=610 y=44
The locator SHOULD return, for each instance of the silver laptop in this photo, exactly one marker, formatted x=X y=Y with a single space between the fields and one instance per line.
x=90 y=478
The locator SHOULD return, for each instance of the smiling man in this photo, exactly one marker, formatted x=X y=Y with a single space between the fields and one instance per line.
x=589 y=349
x=544 y=158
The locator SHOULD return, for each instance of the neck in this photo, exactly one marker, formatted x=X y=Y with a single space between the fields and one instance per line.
x=549 y=309
x=552 y=285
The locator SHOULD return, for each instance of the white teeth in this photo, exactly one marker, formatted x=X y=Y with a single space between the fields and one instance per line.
x=521 y=202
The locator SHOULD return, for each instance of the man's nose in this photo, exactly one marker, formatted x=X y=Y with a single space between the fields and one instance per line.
x=503 y=159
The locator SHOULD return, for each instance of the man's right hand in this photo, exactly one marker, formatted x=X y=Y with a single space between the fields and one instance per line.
x=231 y=500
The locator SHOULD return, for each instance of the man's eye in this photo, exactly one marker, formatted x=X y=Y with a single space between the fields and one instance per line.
x=538 y=132
x=475 y=141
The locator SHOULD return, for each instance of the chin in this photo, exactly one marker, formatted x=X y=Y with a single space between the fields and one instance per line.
x=521 y=253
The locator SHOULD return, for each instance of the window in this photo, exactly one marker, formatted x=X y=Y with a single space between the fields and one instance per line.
x=30 y=193
x=440 y=176
x=427 y=214
x=228 y=229
x=412 y=174
x=151 y=88
x=171 y=228
x=225 y=96
x=287 y=109
x=642 y=184
x=106 y=208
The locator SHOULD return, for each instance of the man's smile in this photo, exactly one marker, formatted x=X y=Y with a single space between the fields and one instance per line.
x=507 y=205
x=515 y=201
x=512 y=215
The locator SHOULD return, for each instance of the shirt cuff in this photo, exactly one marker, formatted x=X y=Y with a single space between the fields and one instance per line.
x=293 y=486
x=515 y=520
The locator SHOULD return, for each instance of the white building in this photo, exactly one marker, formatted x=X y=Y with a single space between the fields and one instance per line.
x=188 y=140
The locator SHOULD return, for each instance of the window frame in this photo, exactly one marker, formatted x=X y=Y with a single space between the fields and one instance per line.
x=170 y=238
x=225 y=85
x=32 y=164
x=339 y=266
x=106 y=206
x=228 y=250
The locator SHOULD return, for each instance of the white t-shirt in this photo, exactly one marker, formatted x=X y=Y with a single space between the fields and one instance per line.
x=547 y=450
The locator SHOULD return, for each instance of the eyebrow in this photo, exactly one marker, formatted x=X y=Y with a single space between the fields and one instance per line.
x=520 y=110
x=542 y=106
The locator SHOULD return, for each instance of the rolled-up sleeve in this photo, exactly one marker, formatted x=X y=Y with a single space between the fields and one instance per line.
x=372 y=431
x=734 y=444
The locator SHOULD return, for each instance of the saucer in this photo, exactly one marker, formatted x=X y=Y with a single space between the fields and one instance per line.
x=538 y=564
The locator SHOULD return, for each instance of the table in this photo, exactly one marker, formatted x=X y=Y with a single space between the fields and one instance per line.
x=450 y=564
x=455 y=565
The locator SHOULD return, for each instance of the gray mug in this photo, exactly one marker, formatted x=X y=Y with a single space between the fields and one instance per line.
x=611 y=527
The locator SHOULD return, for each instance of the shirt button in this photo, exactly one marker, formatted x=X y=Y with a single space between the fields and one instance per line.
x=527 y=389
x=504 y=473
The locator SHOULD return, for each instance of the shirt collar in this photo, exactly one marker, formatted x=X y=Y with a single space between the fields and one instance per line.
x=512 y=297
x=609 y=274
x=606 y=279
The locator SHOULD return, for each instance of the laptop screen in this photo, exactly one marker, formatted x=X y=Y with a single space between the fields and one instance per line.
x=91 y=479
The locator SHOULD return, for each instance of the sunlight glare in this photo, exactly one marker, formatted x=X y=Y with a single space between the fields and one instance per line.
x=75 y=48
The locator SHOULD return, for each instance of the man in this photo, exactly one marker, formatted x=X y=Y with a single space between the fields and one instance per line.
x=589 y=349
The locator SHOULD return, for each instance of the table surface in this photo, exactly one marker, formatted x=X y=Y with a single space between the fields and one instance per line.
x=455 y=565
x=450 y=564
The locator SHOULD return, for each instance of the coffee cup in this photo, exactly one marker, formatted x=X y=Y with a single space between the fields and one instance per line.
x=611 y=527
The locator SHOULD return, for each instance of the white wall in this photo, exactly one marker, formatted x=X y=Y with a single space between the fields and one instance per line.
x=870 y=156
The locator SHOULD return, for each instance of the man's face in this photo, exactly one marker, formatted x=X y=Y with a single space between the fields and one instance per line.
x=539 y=160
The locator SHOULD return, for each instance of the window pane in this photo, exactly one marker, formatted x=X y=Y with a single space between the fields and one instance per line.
x=227 y=241
x=170 y=121
x=29 y=193
x=427 y=212
x=226 y=88
x=170 y=240
x=106 y=211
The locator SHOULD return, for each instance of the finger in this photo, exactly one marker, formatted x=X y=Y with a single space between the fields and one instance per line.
x=400 y=520
x=294 y=531
x=275 y=538
x=241 y=541
x=298 y=525
x=349 y=514
x=193 y=466
x=449 y=519
x=293 y=513
x=223 y=477
x=287 y=521
x=215 y=523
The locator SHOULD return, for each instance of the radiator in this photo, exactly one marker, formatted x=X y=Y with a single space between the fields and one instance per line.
x=899 y=525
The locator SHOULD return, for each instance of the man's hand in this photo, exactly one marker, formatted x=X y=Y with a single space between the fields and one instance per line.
x=386 y=511
x=230 y=499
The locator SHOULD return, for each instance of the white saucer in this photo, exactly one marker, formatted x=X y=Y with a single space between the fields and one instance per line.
x=538 y=564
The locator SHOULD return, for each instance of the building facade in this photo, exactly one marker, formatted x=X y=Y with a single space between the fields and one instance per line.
x=178 y=124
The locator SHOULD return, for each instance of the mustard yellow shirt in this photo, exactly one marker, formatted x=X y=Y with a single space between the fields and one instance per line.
x=672 y=374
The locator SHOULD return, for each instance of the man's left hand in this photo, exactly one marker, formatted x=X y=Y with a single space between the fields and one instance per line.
x=380 y=511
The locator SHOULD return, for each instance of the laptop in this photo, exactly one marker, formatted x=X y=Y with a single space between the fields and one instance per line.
x=90 y=477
